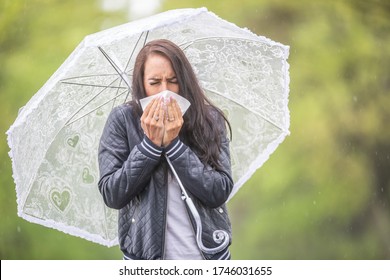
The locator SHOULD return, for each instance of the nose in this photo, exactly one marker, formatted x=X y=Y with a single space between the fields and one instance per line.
x=164 y=86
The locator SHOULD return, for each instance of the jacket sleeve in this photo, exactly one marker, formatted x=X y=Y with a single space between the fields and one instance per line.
x=125 y=168
x=212 y=187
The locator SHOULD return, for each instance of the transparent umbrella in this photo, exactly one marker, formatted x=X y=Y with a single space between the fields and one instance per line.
x=55 y=138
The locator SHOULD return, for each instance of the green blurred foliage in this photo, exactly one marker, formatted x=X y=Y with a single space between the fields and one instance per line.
x=325 y=192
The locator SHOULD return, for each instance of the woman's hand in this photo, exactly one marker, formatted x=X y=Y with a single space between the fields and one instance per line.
x=173 y=121
x=152 y=121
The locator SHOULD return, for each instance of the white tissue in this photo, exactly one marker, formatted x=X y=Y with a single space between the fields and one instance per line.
x=183 y=103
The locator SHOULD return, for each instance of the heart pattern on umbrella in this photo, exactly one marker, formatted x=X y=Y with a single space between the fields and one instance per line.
x=72 y=141
x=60 y=199
x=87 y=177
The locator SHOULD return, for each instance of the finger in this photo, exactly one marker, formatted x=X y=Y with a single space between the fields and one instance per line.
x=154 y=109
x=160 y=111
x=148 y=107
x=176 y=110
x=147 y=116
x=170 y=111
x=147 y=119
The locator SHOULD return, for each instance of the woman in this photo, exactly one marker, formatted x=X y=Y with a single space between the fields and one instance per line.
x=154 y=222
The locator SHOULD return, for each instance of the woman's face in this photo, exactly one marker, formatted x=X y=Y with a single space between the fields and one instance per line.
x=159 y=75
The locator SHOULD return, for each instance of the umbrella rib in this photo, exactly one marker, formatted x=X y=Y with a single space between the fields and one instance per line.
x=101 y=105
x=136 y=44
x=70 y=122
x=257 y=113
x=90 y=85
x=116 y=67
x=121 y=73
x=87 y=76
x=132 y=53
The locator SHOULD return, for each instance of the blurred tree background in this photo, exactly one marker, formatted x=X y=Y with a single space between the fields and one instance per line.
x=325 y=192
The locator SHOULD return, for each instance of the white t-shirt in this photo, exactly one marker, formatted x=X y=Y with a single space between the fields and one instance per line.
x=180 y=242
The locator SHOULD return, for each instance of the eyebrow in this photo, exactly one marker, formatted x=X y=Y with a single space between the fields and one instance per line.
x=158 y=78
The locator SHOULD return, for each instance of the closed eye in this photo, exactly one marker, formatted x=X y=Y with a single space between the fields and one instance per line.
x=154 y=82
x=173 y=81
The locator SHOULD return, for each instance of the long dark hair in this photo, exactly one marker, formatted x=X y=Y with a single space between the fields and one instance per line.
x=199 y=130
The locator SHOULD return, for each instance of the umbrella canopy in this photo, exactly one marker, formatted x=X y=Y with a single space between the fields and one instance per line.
x=55 y=138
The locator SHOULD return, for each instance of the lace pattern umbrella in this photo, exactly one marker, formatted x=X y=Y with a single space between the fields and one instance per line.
x=55 y=138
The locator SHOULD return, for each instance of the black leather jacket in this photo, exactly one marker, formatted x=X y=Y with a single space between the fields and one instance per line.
x=133 y=178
